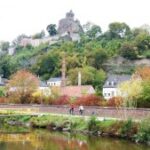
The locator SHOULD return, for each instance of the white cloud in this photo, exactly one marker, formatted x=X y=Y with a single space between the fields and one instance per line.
x=31 y=16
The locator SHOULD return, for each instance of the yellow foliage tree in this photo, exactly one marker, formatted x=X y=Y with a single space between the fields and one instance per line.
x=130 y=91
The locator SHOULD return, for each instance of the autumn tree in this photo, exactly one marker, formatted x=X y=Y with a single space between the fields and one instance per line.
x=130 y=91
x=143 y=73
x=21 y=85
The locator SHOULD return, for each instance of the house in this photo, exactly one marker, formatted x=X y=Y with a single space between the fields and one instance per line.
x=77 y=91
x=54 y=81
x=3 y=81
x=44 y=88
x=110 y=88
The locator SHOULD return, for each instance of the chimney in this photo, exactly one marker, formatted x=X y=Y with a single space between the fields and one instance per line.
x=79 y=78
x=63 y=79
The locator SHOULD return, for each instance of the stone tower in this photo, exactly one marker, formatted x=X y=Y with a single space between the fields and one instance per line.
x=69 y=25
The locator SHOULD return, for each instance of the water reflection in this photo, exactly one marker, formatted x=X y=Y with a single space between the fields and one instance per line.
x=45 y=140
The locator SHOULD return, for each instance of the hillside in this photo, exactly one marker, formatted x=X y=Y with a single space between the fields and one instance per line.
x=95 y=53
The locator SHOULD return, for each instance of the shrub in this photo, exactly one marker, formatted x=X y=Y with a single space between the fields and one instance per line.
x=62 y=100
x=128 y=129
x=93 y=124
x=90 y=100
x=115 y=102
x=143 y=134
x=2 y=92
x=3 y=100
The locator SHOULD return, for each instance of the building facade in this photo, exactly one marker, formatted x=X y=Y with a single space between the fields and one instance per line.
x=54 y=81
x=110 y=88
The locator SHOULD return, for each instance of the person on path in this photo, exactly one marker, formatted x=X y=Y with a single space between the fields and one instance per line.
x=71 y=110
x=81 y=109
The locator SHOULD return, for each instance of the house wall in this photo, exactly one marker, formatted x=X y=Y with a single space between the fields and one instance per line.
x=57 y=83
x=45 y=90
x=110 y=92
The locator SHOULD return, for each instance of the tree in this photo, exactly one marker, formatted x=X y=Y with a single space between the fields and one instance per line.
x=99 y=79
x=97 y=57
x=143 y=73
x=21 y=85
x=87 y=74
x=144 y=99
x=94 y=32
x=39 y=35
x=128 y=51
x=130 y=91
x=142 y=41
x=47 y=65
x=5 y=66
x=119 y=30
x=4 y=45
x=51 y=29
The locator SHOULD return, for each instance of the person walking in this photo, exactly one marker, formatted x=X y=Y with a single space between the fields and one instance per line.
x=71 y=110
x=81 y=109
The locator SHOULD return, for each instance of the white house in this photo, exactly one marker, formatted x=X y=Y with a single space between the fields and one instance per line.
x=54 y=81
x=44 y=88
x=3 y=81
x=110 y=88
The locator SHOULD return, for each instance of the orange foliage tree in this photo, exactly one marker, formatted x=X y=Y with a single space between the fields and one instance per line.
x=21 y=85
x=143 y=72
x=115 y=102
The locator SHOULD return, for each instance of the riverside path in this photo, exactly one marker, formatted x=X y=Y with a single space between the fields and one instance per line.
x=106 y=112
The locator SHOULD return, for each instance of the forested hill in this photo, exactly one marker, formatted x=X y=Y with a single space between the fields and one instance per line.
x=94 y=55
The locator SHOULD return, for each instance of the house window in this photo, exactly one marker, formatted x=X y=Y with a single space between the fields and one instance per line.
x=105 y=94
x=108 y=94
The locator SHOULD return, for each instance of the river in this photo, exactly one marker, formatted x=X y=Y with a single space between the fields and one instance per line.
x=46 y=140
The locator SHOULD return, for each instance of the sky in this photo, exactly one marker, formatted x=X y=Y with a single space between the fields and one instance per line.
x=31 y=16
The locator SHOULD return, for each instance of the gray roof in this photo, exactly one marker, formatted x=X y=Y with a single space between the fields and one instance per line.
x=114 y=80
x=54 y=79
x=43 y=84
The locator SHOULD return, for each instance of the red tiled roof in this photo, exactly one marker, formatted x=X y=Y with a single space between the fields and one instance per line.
x=77 y=91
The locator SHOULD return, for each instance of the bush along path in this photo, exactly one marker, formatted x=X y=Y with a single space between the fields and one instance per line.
x=138 y=132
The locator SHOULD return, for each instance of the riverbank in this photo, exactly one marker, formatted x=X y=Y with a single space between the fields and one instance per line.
x=138 y=132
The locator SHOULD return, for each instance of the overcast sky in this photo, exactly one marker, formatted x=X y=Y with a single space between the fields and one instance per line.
x=31 y=16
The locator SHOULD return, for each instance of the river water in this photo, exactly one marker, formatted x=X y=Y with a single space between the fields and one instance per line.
x=45 y=140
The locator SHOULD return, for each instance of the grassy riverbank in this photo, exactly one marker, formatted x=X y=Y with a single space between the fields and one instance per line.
x=137 y=132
